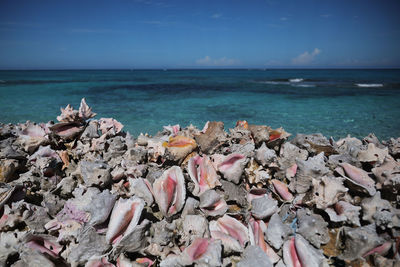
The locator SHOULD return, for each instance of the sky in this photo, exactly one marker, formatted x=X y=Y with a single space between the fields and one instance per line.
x=49 y=34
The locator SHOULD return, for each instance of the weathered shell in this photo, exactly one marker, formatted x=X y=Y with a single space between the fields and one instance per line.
x=212 y=136
x=231 y=166
x=313 y=167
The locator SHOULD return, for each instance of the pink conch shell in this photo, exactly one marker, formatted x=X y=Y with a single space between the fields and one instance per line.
x=381 y=250
x=203 y=251
x=124 y=218
x=231 y=232
x=68 y=114
x=297 y=252
x=256 y=193
x=148 y=262
x=291 y=171
x=110 y=125
x=123 y=261
x=205 y=127
x=212 y=204
x=85 y=112
x=257 y=229
x=99 y=262
x=282 y=190
x=169 y=191
x=343 y=211
x=242 y=124
x=276 y=134
x=180 y=141
x=174 y=129
x=33 y=130
x=66 y=130
x=360 y=177
x=203 y=174
x=231 y=166
x=290 y=254
x=45 y=245
x=178 y=147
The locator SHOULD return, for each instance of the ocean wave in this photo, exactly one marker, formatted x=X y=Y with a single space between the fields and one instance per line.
x=369 y=84
x=274 y=82
x=296 y=80
x=303 y=85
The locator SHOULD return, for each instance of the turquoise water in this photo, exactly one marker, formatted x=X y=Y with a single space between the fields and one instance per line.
x=333 y=102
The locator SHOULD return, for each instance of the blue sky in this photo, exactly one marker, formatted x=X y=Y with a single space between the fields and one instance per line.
x=48 y=34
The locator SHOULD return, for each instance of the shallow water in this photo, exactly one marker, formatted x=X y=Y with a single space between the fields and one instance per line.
x=333 y=102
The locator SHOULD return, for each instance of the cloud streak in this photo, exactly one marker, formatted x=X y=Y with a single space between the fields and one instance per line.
x=216 y=15
x=306 y=57
x=220 y=62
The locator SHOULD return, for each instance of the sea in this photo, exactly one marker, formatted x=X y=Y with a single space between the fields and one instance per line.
x=334 y=102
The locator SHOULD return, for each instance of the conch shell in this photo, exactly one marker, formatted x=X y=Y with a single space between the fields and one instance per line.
x=169 y=191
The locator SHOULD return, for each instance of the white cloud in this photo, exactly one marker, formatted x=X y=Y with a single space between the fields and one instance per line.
x=284 y=19
x=326 y=15
x=86 y=30
x=219 y=62
x=152 y=22
x=306 y=57
x=216 y=15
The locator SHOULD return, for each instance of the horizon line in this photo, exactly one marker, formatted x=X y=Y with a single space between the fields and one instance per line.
x=205 y=68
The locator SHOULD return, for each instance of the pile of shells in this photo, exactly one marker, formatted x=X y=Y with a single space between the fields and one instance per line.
x=82 y=192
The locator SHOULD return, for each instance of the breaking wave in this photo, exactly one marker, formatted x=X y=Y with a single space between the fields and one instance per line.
x=296 y=80
x=369 y=84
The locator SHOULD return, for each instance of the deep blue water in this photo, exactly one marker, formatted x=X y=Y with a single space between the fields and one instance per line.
x=333 y=102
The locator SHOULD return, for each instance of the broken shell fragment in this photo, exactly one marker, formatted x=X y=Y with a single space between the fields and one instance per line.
x=263 y=207
x=110 y=126
x=277 y=231
x=232 y=167
x=212 y=204
x=315 y=144
x=260 y=133
x=265 y=156
x=327 y=190
x=343 y=211
x=373 y=154
x=313 y=167
x=254 y=256
x=359 y=241
x=212 y=136
x=312 y=227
